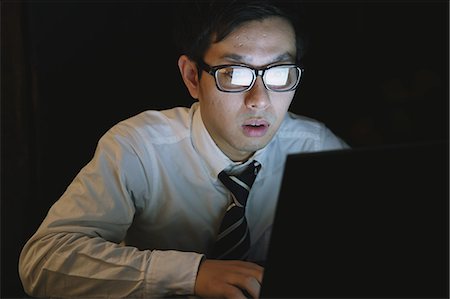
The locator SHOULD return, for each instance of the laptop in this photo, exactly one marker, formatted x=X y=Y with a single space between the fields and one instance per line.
x=362 y=223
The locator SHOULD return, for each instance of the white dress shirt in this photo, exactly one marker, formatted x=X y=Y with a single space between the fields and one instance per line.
x=139 y=216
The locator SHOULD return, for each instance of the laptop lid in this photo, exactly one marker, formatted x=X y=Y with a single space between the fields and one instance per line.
x=360 y=223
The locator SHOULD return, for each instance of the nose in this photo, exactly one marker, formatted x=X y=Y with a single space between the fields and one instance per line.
x=257 y=97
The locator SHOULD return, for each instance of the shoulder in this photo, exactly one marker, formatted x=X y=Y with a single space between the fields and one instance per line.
x=301 y=133
x=295 y=126
x=157 y=127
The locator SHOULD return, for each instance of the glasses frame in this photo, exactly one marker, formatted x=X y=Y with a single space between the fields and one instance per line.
x=212 y=70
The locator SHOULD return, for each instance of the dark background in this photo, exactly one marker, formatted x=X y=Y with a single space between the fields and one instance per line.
x=376 y=74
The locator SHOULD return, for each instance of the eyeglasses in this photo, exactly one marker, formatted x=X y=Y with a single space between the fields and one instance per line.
x=240 y=78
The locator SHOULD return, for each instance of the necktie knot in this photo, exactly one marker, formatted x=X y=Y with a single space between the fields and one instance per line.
x=239 y=185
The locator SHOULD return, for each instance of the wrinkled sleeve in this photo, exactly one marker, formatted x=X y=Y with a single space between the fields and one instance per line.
x=77 y=251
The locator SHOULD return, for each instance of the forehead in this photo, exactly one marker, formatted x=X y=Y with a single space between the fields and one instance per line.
x=256 y=43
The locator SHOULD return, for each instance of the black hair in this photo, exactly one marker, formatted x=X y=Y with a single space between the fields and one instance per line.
x=201 y=23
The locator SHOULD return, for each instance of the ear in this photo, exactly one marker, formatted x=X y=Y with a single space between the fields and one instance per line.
x=189 y=73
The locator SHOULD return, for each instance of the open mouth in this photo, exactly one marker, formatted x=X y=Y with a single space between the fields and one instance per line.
x=255 y=127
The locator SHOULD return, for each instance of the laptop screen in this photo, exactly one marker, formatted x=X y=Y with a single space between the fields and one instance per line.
x=360 y=223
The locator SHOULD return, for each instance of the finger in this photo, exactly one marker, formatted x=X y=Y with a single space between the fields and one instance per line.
x=251 y=269
x=233 y=292
x=248 y=284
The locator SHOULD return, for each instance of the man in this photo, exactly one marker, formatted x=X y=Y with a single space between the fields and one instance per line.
x=142 y=219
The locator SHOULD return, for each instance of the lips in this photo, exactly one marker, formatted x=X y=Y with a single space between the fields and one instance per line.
x=255 y=127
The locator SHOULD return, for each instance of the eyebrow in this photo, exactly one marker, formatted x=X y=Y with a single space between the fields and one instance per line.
x=286 y=56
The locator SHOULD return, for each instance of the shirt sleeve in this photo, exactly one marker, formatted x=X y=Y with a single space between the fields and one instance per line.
x=77 y=250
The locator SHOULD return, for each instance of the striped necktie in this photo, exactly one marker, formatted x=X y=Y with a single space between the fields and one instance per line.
x=233 y=240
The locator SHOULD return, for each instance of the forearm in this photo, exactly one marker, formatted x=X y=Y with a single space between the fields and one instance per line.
x=75 y=265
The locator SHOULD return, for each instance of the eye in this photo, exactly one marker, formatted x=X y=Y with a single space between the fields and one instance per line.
x=277 y=76
x=226 y=72
x=241 y=76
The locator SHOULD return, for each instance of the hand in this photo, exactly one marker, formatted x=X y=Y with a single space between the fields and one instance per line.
x=228 y=279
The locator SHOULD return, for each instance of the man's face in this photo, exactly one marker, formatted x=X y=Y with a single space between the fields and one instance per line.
x=230 y=118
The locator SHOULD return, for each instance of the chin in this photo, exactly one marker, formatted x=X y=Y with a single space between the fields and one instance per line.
x=251 y=148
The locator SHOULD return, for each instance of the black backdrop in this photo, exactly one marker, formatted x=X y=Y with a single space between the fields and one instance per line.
x=376 y=73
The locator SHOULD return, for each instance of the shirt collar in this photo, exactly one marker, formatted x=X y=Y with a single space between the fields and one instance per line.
x=215 y=160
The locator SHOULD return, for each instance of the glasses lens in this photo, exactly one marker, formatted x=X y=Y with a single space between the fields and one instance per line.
x=234 y=78
x=282 y=78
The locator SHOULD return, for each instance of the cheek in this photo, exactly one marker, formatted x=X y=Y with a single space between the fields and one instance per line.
x=217 y=111
x=282 y=104
x=222 y=113
x=219 y=104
